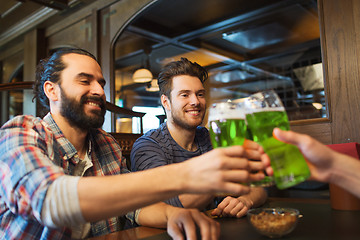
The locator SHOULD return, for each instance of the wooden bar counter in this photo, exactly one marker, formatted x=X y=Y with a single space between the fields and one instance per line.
x=319 y=221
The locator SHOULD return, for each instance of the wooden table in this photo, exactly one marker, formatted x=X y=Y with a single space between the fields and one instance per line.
x=319 y=222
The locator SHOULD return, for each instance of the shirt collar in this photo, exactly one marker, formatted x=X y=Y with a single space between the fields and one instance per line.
x=69 y=149
x=53 y=126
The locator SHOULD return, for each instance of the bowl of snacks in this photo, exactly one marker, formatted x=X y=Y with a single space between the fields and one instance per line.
x=273 y=222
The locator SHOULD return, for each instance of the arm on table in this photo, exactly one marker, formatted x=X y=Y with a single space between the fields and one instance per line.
x=179 y=220
x=199 y=201
x=238 y=206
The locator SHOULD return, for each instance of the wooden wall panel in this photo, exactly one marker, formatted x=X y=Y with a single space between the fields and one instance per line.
x=34 y=50
x=341 y=46
x=79 y=35
x=320 y=131
x=105 y=53
x=8 y=66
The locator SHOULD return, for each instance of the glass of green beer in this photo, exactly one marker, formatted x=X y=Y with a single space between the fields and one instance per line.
x=228 y=127
x=265 y=111
x=227 y=124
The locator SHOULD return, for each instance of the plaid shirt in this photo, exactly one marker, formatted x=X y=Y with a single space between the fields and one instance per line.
x=33 y=153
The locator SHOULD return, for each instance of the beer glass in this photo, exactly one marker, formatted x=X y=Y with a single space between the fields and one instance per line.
x=227 y=124
x=228 y=127
x=265 y=112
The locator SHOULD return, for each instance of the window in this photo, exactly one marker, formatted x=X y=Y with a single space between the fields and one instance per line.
x=246 y=46
x=151 y=119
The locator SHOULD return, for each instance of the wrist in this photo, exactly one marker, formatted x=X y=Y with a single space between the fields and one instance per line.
x=182 y=174
x=335 y=168
x=246 y=201
x=343 y=169
x=169 y=211
x=176 y=178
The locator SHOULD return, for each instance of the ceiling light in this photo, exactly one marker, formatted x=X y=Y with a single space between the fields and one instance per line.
x=153 y=86
x=317 y=105
x=142 y=75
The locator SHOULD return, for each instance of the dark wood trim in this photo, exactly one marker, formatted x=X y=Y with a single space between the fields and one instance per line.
x=126 y=141
x=309 y=121
x=16 y=86
x=324 y=57
x=320 y=131
x=109 y=106
x=119 y=110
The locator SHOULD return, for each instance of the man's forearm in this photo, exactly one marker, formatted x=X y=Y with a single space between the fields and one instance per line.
x=154 y=215
x=104 y=197
x=345 y=173
x=198 y=201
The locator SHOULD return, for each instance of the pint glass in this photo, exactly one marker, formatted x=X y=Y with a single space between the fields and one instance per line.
x=227 y=124
x=265 y=112
x=228 y=127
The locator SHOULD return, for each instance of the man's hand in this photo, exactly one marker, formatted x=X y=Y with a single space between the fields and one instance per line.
x=182 y=224
x=222 y=170
x=252 y=150
x=232 y=207
x=318 y=156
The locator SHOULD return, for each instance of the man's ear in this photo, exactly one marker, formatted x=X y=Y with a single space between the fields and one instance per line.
x=51 y=91
x=165 y=101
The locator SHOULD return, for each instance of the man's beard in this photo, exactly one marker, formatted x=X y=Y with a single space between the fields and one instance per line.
x=183 y=124
x=74 y=112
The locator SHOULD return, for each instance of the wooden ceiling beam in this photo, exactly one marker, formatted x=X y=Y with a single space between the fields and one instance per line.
x=55 y=4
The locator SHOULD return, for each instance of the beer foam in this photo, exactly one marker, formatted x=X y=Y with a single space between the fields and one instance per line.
x=267 y=109
x=226 y=113
x=220 y=116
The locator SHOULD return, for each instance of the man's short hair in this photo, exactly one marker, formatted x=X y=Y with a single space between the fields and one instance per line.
x=49 y=69
x=176 y=68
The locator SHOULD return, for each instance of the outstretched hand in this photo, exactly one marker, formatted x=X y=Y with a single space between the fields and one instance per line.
x=222 y=170
x=318 y=156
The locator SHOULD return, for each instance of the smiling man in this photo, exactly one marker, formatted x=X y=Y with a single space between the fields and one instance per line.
x=63 y=177
x=181 y=137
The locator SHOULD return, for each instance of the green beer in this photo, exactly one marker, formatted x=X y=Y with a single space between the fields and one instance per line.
x=227 y=124
x=287 y=161
x=228 y=127
x=227 y=132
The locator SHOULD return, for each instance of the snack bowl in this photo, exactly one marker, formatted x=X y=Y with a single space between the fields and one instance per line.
x=273 y=222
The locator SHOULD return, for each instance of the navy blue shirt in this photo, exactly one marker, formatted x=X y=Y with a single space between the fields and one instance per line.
x=157 y=148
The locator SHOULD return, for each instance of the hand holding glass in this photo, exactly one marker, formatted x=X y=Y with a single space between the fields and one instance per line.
x=228 y=128
x=265 y=112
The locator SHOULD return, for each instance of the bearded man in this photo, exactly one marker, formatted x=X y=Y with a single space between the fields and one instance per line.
x=182 y=137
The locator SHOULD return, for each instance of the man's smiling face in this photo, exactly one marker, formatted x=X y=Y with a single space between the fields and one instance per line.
x=187 y=103
x=82 y=92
